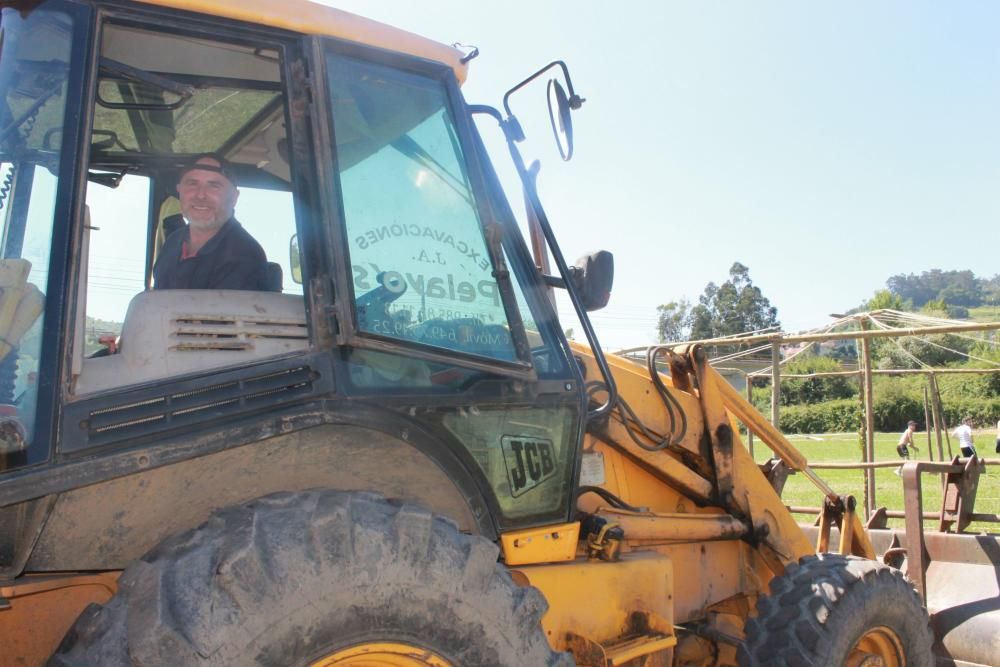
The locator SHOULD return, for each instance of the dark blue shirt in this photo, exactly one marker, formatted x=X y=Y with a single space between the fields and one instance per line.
x=232 y=259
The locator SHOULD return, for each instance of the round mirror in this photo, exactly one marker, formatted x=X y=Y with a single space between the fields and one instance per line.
x=295 y=259
x=559 y=114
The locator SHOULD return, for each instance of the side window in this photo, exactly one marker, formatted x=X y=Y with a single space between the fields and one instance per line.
x=269 y=216
x=546 y=355
x=420 y=267
x=115 y=240
x=34 y=69
x=190 y=211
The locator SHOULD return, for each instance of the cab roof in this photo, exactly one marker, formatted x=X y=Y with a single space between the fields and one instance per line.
x=311 y=18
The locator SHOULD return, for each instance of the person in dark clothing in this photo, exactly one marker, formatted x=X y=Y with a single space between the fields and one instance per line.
x=213 y=251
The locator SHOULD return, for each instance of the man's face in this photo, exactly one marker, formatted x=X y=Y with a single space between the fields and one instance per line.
x=208 y=198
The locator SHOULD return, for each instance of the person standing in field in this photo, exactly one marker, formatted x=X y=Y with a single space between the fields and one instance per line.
x=964 y=435
x=998 y=438
x=906 y=441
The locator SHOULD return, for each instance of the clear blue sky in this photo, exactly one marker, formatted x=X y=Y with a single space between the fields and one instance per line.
x=826 y=147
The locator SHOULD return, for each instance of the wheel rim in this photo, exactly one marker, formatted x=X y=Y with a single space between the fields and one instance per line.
x=879 y=647
x=383 y=654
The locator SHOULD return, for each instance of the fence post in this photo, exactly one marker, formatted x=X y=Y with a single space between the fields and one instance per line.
x=869 y=450
x=927 y=425
x=750 y=401
x=775 y=381
x=938 y=417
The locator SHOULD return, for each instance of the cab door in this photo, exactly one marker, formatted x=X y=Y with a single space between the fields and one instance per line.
x=440 y=312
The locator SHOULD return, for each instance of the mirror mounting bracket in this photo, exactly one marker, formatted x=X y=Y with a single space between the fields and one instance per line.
x=575 y=101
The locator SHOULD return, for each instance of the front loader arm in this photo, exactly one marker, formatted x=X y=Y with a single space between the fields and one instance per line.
x=705 y=463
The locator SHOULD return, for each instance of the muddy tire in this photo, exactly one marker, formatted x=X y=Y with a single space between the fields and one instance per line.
x=833 y=610
x=293 y=578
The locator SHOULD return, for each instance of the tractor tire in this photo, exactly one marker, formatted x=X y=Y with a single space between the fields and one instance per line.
x=316 y=578
x=838 y=610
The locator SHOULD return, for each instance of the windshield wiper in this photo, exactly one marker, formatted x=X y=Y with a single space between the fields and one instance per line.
x=32 y=111
x=135 y=75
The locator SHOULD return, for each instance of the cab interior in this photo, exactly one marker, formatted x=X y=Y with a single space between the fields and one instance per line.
x=161 y=98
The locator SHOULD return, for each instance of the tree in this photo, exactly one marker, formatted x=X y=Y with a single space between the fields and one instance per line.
x=736 y=306
x=959 y=288
x=673 y=321
x=796 y=391
x=885 y=299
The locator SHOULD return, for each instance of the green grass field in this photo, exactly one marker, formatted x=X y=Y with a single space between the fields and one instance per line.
x=845 y=448
x=985 y=314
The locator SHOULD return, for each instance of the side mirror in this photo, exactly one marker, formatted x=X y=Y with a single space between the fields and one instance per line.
x=562 y=122
x=294 y=259
x=592 y=277
x=561 y=104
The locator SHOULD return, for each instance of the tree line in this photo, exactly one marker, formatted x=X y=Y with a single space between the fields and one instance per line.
x=952 y=288
x=827 y=404
x=738 y=306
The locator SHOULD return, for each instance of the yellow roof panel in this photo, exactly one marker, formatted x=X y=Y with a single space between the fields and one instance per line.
x=314 y=19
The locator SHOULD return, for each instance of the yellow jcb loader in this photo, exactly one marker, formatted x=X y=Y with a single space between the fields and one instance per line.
x=392 y=456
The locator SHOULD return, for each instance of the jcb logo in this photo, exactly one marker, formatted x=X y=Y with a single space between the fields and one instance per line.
x=529 y=462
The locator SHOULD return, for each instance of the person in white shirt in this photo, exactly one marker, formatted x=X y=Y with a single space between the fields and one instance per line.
x=964 y=435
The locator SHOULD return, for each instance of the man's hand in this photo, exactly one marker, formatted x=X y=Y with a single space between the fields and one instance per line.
x=109 y=341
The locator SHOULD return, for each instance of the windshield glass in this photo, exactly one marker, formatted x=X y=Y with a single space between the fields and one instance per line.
x=164 y=94
x=421 y=268
x=35 y=53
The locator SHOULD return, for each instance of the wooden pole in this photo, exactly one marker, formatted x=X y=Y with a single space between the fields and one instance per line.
x=936 y=414
x=850 y=335
x=944 y=426
x=775 y=382
x=869 y=450
x=927 y=425
x=750 y=401
x=896 y=371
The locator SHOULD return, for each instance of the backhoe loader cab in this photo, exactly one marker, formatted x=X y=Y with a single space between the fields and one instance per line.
x=391 y=455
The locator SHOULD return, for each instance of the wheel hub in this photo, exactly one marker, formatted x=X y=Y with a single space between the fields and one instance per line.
x=879 y=647
x=378 y=654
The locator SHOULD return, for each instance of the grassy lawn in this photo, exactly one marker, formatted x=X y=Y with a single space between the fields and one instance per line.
x=985 y=314
x=845 y=448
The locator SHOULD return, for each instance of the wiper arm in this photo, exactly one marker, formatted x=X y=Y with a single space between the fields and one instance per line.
x=28 y=113
x=134 y=74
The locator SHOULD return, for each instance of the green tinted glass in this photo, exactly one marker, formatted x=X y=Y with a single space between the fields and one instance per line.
x=419 y=259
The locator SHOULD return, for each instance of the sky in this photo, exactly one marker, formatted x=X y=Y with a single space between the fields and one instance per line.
x=825 y=146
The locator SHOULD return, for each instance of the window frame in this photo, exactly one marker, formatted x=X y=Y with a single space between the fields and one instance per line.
x=294 y=86
x=68 y=208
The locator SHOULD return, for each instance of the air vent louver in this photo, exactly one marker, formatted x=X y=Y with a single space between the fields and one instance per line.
x=183 y=408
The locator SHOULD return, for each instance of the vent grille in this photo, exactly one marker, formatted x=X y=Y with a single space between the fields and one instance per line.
x=192 y=406
x=224 y=332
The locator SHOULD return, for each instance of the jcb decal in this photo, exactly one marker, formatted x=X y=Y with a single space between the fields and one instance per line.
x=530 y=461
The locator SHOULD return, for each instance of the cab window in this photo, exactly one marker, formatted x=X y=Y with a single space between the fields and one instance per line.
x=162 y=100
x=35 y=48
x=421 y=270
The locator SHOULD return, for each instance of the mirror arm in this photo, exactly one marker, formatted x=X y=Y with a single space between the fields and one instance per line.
x=553 y=281
x=511 y=127
x=531 y=194
x=581 y=312
x=575 y=101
